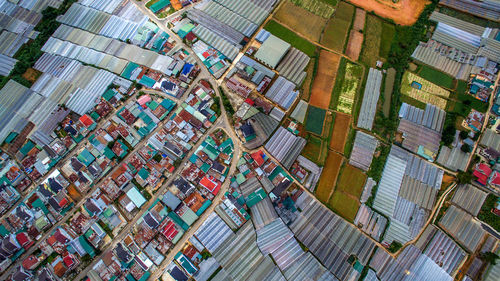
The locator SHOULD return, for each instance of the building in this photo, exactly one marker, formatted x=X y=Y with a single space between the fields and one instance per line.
x=272 y=51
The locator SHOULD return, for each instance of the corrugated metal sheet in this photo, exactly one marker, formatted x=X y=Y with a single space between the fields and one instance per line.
x=463 y=227
x=230 y=18
x=213 y=232
x=370 y=222
x=453 y=158
x=292 y=66
x=445 y=252
x=282 y=92
x=6 y=65
x=285 y=146
x=469 y=198
x=490 y=139
x=219 y=43
x=329 y=237
x=272 y=236
x=370 y=99
x=263 y=213
x=489 y=9
x=299 y=113
x=247 y=9
x=362 y=151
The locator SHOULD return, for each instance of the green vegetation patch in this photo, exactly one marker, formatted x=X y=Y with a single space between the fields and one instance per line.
x=351 y=181
x=323 y=8
x=370 y=52
x=312 y=150
x=486 y=215
x=435 y=76
x=350 y=84
x=289 y=36
x=344 y=205
x=337 y=29
x=388 y=31
x=315 y=119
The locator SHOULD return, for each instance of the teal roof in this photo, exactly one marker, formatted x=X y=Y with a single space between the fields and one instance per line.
x=86 y=157
x=175 y=218
x=153 y=105
x=211 y=151
x=256 y=197
x=193 y=158
x=109 y=94
x=160 y=5
x=168 y=104
x=203 y=207
x=11 y=137
x=143 y=173
x=27 y=147
x=205 y=167
x=127 y=72
x=86 y=246
x=147 y=81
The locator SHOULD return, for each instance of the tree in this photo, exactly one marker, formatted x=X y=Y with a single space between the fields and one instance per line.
x=395 y=246
x=464 y=177
x=463 y=134
x=448 y=135
x=489 y=257
x=465 y=148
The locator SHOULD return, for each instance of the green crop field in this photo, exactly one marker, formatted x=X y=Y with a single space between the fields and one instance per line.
x=344 y=205
x=388 y=31
x=315 y=119
x=370 y=52
x=352 y=79
x=289 y=36
x=323 y=8
x=337 y=29
x=351 y=181
x=435 y=76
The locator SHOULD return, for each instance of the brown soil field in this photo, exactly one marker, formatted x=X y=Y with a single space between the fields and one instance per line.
x=355 y=44
x=405 y=12
x=351 y=181
x=359 y=20
x=31 y=75
x=340 y=130
x=328 y=177
x=324 y=81
x=301 y=21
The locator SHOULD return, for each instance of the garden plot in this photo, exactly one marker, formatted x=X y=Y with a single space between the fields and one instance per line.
x=428 y=92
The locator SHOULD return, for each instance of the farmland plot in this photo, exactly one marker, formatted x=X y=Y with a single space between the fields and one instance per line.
x=371 y=46
x=354 y=46
x=325 y=79
x=301 y=21
x=328 y=177
x=352 y=79
x=316 y=7
x=340 y=130
x=337 y=29
x=315 y=120
x=429 y=92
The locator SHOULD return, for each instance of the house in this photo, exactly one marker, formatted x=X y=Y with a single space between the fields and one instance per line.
x=482 y=172
x=494 y=179
x=211 y=184
x=21 y=275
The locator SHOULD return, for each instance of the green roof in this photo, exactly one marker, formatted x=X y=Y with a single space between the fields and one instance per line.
x=158 y=6
x=110 y=93
x=143 y=173
x=27 y=147
x=256 y=197
x=11 y=137
x=147 y=81
x=203 y=207
x=153 y=105
x=86 y=157
x=127 y=72
x=205 y=167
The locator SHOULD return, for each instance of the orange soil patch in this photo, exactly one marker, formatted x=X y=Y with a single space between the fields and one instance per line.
x=324 y=81
x=329 y=177
x=405 y=12
x=31 y=75
x=176 y=4
x=354 y=45
x=340 y=131
x=359 y=20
